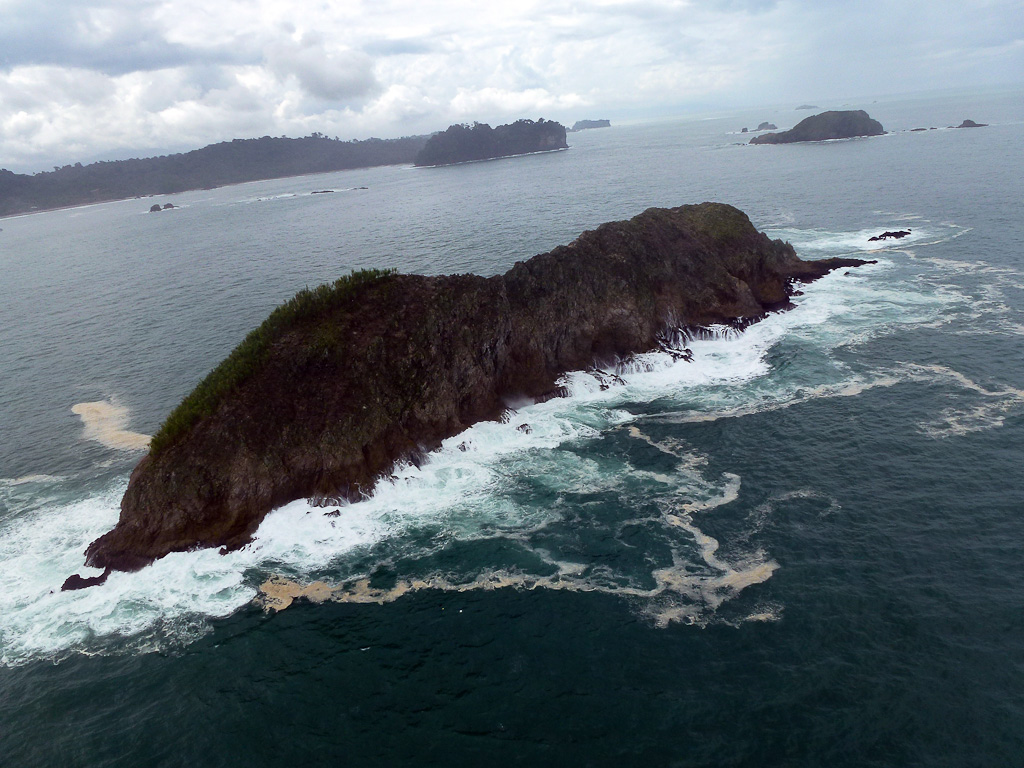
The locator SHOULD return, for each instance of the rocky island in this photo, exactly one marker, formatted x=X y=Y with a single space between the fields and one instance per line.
x=586 y=125
x=344 y=380
x=844 y=124
x=466 y=143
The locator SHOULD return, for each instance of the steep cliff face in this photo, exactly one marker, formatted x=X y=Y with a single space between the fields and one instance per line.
x=843 y=124
x=392 y=365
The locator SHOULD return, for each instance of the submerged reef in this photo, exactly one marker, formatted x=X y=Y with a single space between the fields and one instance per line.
x=343 y=381
x=844 y=124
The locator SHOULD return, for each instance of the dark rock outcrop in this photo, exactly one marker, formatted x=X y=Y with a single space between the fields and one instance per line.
x=972 y=124
x=386 y=366
x=75 y=581
x=766 y=126
x=155 y=208
x=828 y=125
x=897 y=235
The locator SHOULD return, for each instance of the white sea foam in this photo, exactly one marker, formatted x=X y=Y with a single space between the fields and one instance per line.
x=990 y=412
x=29 y=479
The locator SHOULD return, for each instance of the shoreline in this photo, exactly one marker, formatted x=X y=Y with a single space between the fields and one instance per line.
x=93 y=203
x=498 y=157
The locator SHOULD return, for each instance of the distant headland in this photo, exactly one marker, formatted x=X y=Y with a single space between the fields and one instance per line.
x=586 y=125
x=229 y=162
x=466 y=143
x=343 y=381
x=845 y=124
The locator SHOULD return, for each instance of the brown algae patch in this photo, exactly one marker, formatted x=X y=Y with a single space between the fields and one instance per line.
x=277 y=593
x=105 y=422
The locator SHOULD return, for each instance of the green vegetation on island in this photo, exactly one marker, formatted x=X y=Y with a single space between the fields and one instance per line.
x=463 y=143
x=246 y=357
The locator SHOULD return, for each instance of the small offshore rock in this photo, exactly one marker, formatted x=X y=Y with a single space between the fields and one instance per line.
x=75 y=581
x=898 y=235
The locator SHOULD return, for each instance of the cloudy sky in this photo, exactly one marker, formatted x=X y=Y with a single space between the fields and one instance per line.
x=112 y=78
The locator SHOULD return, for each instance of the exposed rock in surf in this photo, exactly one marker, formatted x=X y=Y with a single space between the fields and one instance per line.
x=155 y=208
x=897 y=235
x=972 y=124
x=341 y=382
x=766 y=126
x=845 y=124
x=75 y=581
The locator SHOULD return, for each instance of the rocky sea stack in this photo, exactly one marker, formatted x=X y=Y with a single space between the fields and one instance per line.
x=828 y=125
x=343 y=381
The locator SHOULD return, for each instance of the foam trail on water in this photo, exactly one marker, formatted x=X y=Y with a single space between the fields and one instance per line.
x=106 y=422
x=990 y=413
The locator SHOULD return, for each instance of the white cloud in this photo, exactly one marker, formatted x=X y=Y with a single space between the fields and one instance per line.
x=530 y=102
x=85 y=79
x=336 y=75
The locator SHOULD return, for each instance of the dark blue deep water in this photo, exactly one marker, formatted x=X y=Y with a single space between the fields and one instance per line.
x=804 y=548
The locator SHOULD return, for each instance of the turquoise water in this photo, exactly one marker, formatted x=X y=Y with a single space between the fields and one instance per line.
x=802 y=548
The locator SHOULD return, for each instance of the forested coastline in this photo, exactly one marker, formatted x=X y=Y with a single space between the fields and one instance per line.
x=463 y=143
x=229 y=162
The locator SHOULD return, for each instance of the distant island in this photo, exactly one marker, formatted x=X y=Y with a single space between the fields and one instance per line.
x=585 y=125
x=807 y=106
x=972 y=124
x=229 y=162
x=464 y=143
x=828 y=125
x=343 y=381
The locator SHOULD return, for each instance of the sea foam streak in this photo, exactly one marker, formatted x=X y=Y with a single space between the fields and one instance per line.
x=105 y=423
x=516 y=498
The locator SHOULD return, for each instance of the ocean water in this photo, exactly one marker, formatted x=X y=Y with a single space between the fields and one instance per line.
x=803 y=547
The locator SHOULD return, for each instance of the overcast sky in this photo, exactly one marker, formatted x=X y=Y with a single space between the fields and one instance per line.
x=113 y=78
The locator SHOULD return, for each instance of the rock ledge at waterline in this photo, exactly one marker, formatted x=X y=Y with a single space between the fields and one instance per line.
x=343 y=381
